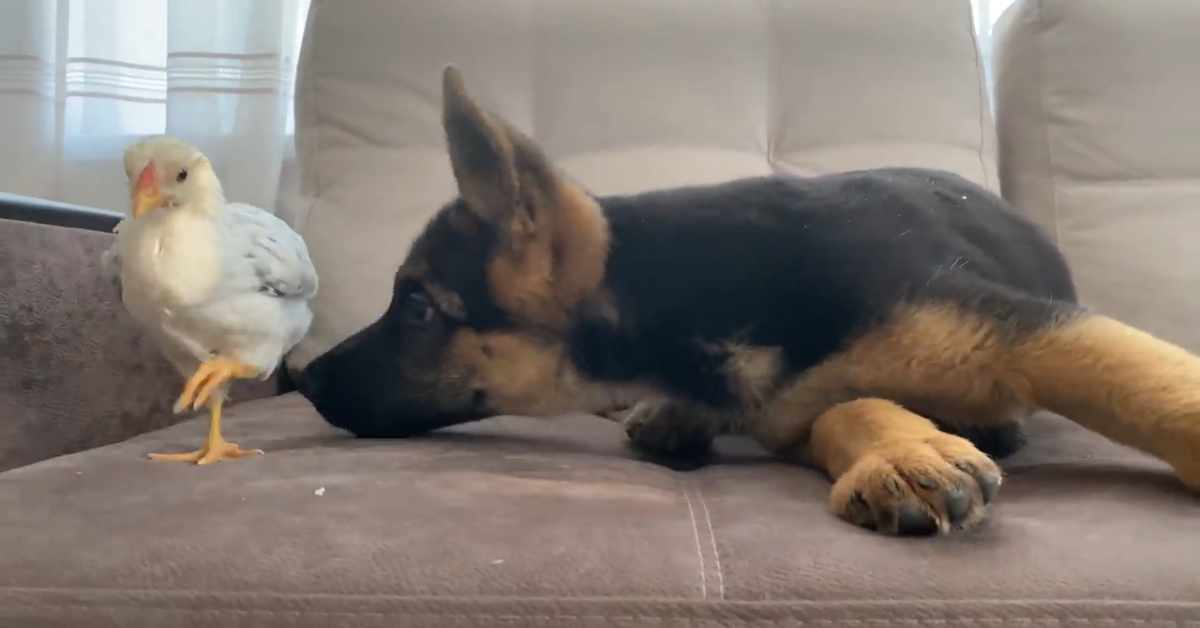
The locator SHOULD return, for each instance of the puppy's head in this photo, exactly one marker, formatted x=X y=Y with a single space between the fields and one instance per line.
x=483 y=304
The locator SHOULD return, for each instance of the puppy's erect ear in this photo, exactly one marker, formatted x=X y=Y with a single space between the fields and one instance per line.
x=481 y=153
x=553 y=236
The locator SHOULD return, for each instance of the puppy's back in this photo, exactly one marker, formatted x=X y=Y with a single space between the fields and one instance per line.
x=802 y=262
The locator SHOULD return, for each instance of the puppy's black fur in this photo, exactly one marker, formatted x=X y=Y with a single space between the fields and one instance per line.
x=861 y=322
x=804 y=265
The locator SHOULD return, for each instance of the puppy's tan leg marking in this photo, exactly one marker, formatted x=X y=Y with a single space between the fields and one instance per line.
x=969 y=370
x=1123 y=383
x=859 y=415
x=933 y=360
x=896 y=473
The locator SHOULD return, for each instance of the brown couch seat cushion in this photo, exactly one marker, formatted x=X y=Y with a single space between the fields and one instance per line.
x=523 y=522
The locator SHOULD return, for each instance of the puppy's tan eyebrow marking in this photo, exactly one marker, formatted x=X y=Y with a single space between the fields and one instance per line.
x=411 y=270
x=446 y=299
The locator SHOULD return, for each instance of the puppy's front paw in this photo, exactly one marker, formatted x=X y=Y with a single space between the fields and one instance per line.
x=917 y=487
x=669 y=430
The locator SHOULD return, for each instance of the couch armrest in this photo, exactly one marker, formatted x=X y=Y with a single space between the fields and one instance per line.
x=75 y=371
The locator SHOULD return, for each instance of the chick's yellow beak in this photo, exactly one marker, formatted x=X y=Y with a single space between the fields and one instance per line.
x=146 y=195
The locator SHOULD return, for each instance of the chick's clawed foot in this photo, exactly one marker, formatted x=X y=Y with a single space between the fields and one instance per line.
x=208 y=378
x=917 y=487
x=215 y=448
x=210 y=453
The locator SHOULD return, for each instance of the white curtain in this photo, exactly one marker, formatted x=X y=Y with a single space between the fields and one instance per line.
x=82 y=79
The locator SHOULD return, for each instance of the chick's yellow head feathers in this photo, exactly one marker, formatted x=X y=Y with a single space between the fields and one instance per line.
x=167 y=172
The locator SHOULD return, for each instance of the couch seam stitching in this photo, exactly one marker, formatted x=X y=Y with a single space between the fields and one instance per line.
x=712 y=537
x=699 y=551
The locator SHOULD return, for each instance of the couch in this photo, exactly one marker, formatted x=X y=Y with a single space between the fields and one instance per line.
x=526 y=523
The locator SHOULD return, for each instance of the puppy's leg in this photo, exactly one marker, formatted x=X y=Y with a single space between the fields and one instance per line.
x=1118 y=381
x=680 y=429
x=671 y=428
x=895 y=472
x=674 y=434
x=861 y=416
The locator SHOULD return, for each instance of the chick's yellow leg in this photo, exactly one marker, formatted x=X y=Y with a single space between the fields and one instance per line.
x=208 y=378
x=215 y=448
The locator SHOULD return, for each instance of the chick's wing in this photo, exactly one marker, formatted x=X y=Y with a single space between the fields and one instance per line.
x=265 y=255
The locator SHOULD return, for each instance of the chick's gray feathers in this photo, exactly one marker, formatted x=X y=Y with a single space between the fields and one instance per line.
x=271 y=258
x=264 y=254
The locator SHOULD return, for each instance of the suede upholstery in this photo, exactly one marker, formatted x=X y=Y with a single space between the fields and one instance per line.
x=525 y=522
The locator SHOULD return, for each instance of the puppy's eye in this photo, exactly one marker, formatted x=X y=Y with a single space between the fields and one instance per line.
x=417 y=310
x=182 y=176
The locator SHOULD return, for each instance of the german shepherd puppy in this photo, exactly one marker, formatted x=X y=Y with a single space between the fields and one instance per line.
x=880 y=325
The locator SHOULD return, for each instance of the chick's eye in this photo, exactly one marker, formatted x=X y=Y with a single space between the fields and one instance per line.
x=182 y=176
x=417 y=310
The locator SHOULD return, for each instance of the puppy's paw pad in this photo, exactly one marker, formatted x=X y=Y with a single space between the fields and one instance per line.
x=918 y=487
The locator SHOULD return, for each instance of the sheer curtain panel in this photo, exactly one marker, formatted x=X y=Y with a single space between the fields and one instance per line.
x=81 y=79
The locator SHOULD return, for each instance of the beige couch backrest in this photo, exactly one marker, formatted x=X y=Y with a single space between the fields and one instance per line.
x=626 y=95
x=1098 y=111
